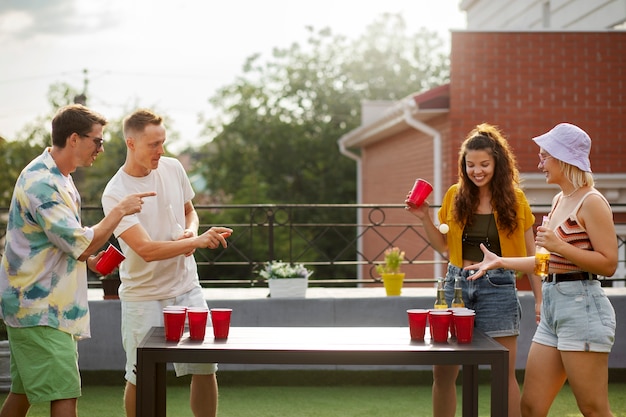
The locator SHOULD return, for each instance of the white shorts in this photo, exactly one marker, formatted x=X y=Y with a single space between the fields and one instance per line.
x=138 y=317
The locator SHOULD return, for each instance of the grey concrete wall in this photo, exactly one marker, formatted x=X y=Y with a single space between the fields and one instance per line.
x=322 y=307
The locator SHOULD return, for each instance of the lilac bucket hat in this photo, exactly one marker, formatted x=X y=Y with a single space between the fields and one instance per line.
x=568 y=143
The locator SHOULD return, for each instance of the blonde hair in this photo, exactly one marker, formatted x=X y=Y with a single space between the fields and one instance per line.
x=136 y=122
x=576 y=176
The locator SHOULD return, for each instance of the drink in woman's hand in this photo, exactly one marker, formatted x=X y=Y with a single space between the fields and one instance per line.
x=542 y=263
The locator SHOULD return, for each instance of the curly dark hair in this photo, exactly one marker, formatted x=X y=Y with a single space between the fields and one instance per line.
x=505 y=181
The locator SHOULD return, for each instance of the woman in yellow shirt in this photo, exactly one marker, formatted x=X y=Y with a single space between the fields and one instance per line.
x=485 y=206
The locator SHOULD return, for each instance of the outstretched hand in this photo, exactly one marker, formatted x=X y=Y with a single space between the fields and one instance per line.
x=133 y=203
x=490 y=261
x=216 y=236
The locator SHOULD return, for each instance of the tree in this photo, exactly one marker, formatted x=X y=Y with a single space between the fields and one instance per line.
x=30 y=141
x=276 y=138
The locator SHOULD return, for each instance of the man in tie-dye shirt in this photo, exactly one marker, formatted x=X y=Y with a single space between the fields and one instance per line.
x=43 y=275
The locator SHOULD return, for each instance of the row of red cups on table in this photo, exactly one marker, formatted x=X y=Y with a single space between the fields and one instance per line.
x=174 y=318
x=456 y=322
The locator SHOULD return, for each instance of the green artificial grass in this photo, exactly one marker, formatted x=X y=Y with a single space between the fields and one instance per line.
x=331 y=394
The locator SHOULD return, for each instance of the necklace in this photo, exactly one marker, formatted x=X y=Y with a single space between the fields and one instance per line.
x=572 y=193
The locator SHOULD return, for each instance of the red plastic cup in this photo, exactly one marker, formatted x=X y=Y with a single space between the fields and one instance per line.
x=111 y=258
x=174 y=322
x=420 y=192
x=452 y=330
x=464 y=323
x=221 y=322
x=439 y=325
x=198 y=317
x=452 y=326
x=417 y=323
x=174 y=307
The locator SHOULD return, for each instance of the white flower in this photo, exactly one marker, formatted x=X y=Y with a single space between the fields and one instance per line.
x=280 y=269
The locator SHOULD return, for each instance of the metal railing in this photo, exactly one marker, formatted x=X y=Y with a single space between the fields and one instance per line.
x=342 y=243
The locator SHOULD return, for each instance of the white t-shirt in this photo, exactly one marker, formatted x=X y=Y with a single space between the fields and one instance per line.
x=156 y=280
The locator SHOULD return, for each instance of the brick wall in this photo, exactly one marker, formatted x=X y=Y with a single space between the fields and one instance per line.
x=390 y=168
x=523 y=82
x=526 y=82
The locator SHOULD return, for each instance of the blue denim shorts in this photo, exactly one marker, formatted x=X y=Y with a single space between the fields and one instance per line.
x=493 y=297
x=576 y=316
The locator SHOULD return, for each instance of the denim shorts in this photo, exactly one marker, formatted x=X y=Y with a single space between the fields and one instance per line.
x=493 y=297
x=576 y=316
x=138 y=317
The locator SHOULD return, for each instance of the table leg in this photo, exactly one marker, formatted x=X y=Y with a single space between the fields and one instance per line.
x=500 y=385
x=151 y=389
x=470 y=391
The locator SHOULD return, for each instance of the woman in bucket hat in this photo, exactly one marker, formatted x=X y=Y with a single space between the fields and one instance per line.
x=577 y=327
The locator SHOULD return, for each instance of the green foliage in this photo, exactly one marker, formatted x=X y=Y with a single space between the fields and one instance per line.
x=29 y=142
x=14 y=156
x=276 y=138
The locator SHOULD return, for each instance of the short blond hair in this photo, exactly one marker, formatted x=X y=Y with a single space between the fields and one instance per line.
x=576 y=176
x=137 y=121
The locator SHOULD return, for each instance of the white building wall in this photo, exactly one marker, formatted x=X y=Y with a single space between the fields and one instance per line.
x=544 y=14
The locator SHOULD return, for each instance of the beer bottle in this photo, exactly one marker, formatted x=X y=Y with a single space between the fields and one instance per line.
x=457 y=301
x=440 y=302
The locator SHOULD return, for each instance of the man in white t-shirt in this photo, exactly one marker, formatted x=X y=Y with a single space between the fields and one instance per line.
x=158 y=243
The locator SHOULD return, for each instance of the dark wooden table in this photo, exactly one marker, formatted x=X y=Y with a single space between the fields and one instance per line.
x=321 y=346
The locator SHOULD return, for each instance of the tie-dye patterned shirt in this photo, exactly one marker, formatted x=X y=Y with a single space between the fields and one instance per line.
x=42 y=282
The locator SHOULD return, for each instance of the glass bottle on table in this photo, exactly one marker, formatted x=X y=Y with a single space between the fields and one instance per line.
x=542 y=256
x=457 y=301
x=440 y=301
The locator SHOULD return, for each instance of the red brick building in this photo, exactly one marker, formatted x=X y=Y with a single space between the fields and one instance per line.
x=523 y=82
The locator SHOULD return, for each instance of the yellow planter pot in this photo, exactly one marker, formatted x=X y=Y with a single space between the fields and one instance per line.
x=393 y=283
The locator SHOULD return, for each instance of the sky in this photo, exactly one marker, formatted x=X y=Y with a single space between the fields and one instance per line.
x=170 y=56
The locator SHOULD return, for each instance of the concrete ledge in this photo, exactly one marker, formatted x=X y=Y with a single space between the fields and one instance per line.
x=322 y=307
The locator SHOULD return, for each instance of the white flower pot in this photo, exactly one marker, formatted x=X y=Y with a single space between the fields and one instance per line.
x=288 y=287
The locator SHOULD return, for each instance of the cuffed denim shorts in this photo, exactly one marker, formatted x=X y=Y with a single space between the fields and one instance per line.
x=493 y=297
x=138 y=317
x=576 y=316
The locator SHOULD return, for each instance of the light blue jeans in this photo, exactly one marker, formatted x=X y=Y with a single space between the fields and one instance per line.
x=576 y=316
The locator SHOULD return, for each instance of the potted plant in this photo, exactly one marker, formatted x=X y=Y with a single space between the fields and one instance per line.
x=390 y=271
x=110 y=285
x=286 y=280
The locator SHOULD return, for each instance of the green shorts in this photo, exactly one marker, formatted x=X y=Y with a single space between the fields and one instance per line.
x=44 y=364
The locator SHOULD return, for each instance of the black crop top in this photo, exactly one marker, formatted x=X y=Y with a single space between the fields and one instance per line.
x=482 y=230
